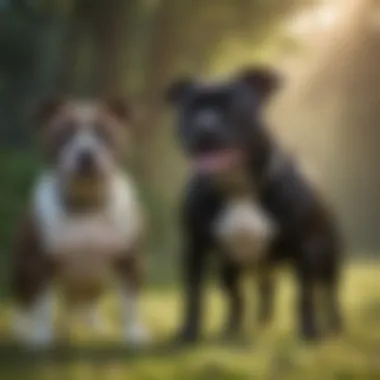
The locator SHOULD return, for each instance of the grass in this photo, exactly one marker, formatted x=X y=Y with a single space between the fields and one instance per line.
x=273 y=353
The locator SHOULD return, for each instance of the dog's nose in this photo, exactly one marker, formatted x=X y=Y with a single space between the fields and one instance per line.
x=86 y=162
x=208 y=139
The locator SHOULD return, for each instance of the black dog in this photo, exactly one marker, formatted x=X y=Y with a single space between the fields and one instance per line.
x=236 y=161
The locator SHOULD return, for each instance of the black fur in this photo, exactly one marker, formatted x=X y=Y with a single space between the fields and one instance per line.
x=307 y=238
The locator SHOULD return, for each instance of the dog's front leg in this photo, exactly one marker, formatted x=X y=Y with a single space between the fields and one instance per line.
x=31 y=276
x=266 y=287
x=33 y=324
x=231 y=276
x=129 y=269
x=194 y=263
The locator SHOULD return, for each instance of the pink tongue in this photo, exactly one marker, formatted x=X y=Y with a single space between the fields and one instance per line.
x=216 y=162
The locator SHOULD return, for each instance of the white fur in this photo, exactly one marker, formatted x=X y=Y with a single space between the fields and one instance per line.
x=34 y=325
x=134 y=331
x=111 y=229
x=244 y=229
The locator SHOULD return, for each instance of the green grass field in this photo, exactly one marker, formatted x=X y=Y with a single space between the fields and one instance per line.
x=273 y=353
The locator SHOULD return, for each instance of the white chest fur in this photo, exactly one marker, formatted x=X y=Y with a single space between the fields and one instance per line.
x=244 y=230
x=109 y=230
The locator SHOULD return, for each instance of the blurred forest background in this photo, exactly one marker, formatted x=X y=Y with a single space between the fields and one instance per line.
x=327 y=111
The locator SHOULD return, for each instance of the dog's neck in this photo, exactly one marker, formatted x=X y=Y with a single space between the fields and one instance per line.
x=235 y=183
x=93 y=201
x=76 y=204
x=265 y=159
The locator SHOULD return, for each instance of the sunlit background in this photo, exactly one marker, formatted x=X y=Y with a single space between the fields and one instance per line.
x=327 y=113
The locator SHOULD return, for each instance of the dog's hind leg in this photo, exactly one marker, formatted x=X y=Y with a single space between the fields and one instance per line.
x=316 y=270
x=307 y=309
x=331 y=282
x=330 y=298
x=308 y=281
x=334 y=318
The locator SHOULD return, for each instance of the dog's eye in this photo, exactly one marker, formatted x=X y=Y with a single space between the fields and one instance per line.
x=212 y=100
x=66 y=132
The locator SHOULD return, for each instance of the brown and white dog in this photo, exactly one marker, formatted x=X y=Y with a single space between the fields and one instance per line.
x=83 y=224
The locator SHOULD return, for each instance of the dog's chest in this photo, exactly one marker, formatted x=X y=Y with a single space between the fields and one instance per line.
x=85 y=246
x=88 y=234
x=244 y=230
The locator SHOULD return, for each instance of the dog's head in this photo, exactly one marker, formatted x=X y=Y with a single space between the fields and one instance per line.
x=83 y=142
x=219 y=121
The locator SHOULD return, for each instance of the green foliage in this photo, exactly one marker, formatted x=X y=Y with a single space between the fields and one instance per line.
x=17 y=173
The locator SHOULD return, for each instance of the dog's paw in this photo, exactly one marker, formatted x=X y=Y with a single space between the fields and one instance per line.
x=137 y=336
x=187 y=336
x=232 y=335
x=40 y=338
x=20 y=327
x=311 y=335
x=335 y=327
x=35 y=337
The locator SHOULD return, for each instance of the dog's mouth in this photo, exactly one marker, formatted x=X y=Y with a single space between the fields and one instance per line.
x=218 y=161
x=84 y=194
x=84 y=186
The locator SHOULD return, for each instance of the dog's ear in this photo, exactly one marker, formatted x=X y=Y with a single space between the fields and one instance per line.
x=44 y=110
x=176 y=92
x=261 y=79
x=118 y=107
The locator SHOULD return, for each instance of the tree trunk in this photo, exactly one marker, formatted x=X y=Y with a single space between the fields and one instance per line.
x=109 y=30
x=160 y=62
x=68 y=79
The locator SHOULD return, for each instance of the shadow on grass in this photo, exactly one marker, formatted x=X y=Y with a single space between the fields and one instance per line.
x=12 y=354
